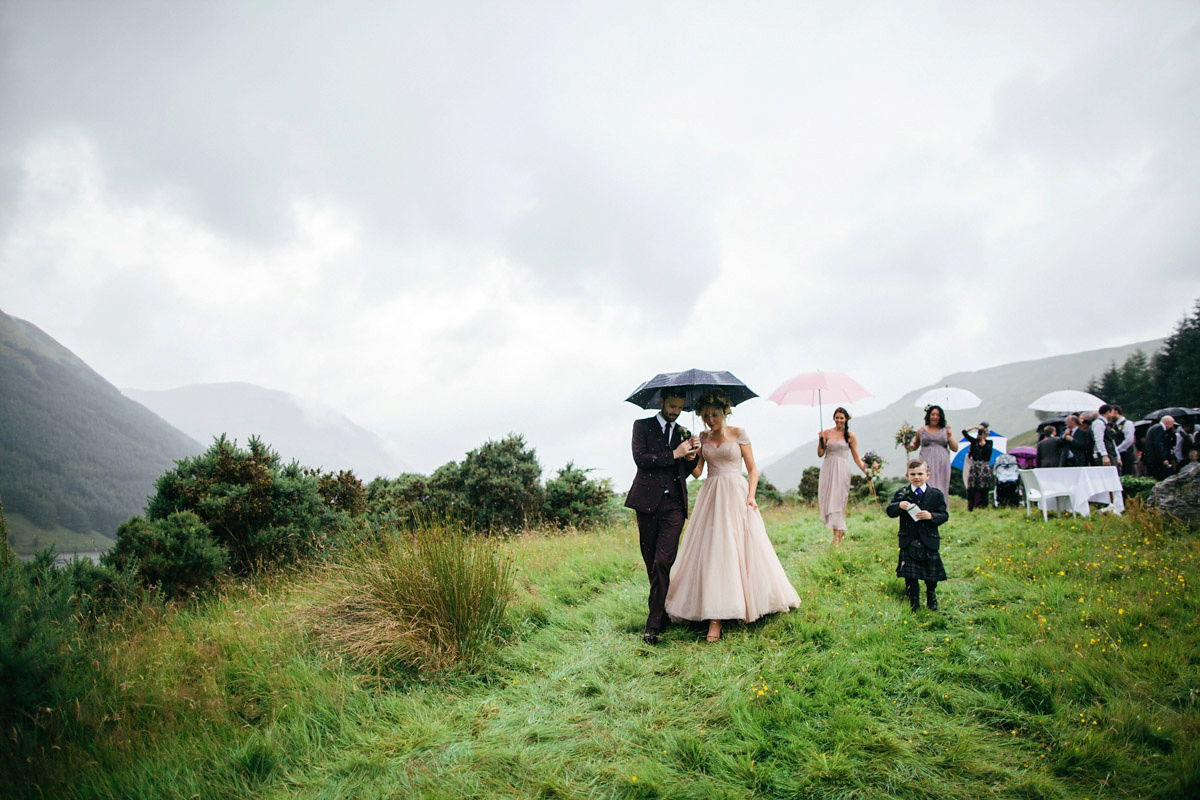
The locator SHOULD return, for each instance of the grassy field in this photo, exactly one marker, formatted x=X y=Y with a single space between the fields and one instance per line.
x=1063 y=664
x=27 y=538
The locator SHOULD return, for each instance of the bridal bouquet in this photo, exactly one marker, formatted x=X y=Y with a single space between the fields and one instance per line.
x=905 y=436
x=873 y=463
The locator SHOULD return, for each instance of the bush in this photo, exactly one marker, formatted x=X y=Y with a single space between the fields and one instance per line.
x=426 y=601
x=42 y=664
x=259 y=512
x=573 y=499
x=768 y=493
x=809 y=483
x=176 y=554
x=399 y=502
x=1135 y=486
x=501 y=484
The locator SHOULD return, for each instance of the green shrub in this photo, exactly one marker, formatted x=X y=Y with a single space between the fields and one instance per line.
x=260 y=512
x=425 y=600
x=810 y=482
x=1135 y=486
x=176 y=554
x=768 y=494
x=42 y=664
x=501 y=484
x=574 y=499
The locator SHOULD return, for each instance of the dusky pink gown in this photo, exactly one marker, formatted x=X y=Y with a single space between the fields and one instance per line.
x=833 y=489
x=727 y=567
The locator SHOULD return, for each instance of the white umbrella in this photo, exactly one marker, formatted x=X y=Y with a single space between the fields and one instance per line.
x=1066 y=400
x=949 y=398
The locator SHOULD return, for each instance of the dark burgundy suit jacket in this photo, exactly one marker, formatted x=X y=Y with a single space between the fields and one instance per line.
x=657 y=469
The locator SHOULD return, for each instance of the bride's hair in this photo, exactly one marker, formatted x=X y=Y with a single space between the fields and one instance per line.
x=714 y=399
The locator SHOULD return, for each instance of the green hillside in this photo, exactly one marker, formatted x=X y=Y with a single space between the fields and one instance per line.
x=1006 y=392
x=75 y=453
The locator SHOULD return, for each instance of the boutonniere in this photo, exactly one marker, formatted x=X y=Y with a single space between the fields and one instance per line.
x=683 y=432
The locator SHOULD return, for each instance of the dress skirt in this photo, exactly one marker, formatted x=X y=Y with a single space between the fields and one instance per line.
x=727 y=568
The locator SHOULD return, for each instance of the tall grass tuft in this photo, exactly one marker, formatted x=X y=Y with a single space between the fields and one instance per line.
x=426 y=600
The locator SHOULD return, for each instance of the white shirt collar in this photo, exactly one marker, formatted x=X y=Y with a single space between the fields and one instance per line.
x=662 y=422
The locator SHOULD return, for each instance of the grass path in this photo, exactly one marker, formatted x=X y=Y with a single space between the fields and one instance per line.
x=1063 y=664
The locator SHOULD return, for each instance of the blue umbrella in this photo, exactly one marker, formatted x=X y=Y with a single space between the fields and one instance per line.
x=999 y=443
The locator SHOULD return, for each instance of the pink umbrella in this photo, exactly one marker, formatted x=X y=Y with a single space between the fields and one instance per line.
x=814 y=388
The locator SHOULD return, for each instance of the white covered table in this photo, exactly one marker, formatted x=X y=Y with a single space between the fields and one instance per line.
x=1084 y=484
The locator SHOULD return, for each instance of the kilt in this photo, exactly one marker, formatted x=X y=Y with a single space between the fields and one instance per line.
x=917 y=561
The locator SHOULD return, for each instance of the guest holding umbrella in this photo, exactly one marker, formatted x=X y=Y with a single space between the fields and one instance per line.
x=979 y=468
x=936 y=442
x=836 y=446
x=1050 y=448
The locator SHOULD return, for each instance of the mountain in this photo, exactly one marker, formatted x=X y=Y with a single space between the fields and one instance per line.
x=312 y=434
x=76 y=455
x=1006 y=392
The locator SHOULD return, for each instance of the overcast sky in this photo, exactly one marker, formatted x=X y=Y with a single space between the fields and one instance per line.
x=451 y=221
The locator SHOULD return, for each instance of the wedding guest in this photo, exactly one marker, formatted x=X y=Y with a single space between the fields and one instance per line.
x=664 y=456
x=1125 y=436
x=1051 y=448
x=1159 y=445
x=836 y=445
x=936 y=442
x=1105 y=452
x=1192 y=463
x=1072 y=426
x=979 y=466
x=1080 y=442
x=727 y=568
x=921 y=508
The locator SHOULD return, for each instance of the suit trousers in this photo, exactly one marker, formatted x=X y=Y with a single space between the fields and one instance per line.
x=659 y=535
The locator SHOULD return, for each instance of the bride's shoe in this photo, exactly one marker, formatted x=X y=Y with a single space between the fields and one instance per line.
x=714 y=631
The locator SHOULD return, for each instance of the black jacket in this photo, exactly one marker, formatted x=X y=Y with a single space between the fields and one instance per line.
x=933 y=501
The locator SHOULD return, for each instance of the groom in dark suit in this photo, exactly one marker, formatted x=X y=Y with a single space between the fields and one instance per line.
x=664 y=454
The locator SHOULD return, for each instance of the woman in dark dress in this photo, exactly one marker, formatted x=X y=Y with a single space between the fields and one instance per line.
x=979 y=466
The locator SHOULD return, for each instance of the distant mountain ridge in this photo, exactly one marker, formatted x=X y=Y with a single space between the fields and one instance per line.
x=314 y=435
x=75 y=454
x=1006 y=392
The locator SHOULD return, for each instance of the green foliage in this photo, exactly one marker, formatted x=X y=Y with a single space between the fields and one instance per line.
x=809 y=484
x=1171 y=378
x=425 y=600
x=958 y=487
x=1134 y=486
x=259 y=512
x=1177 y=363
x=42 y=666
x=176 y=554
x=768 y=494
x=575 y=500
x=342 y=492
x=501 y=484
x=398 y=502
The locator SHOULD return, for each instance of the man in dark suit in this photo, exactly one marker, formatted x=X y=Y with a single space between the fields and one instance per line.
x=921 y=509
x=1081 y=443
x=665 y=454
x=1159 y=443
x=1050 y=448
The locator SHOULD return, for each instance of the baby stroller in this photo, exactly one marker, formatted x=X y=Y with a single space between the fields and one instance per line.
x=1007 y=473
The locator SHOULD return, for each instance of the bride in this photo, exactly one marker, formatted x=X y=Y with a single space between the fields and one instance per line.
x=727 y=568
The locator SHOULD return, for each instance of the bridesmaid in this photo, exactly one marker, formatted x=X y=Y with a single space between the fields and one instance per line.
x=936 y=440
x=836 y=446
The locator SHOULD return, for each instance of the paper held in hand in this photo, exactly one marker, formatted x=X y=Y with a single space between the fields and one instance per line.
x=913 y=510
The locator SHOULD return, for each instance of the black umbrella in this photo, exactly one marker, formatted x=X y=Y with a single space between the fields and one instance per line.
x=693 y=382
x=1180 y=414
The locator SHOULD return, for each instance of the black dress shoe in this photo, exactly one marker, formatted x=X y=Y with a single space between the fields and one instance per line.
x=931 y=600
x=649 y=637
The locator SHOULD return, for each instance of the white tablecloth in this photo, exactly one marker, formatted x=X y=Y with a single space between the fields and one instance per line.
x=1085 y=484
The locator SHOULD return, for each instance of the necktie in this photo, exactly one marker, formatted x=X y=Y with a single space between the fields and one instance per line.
x=667 y=432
